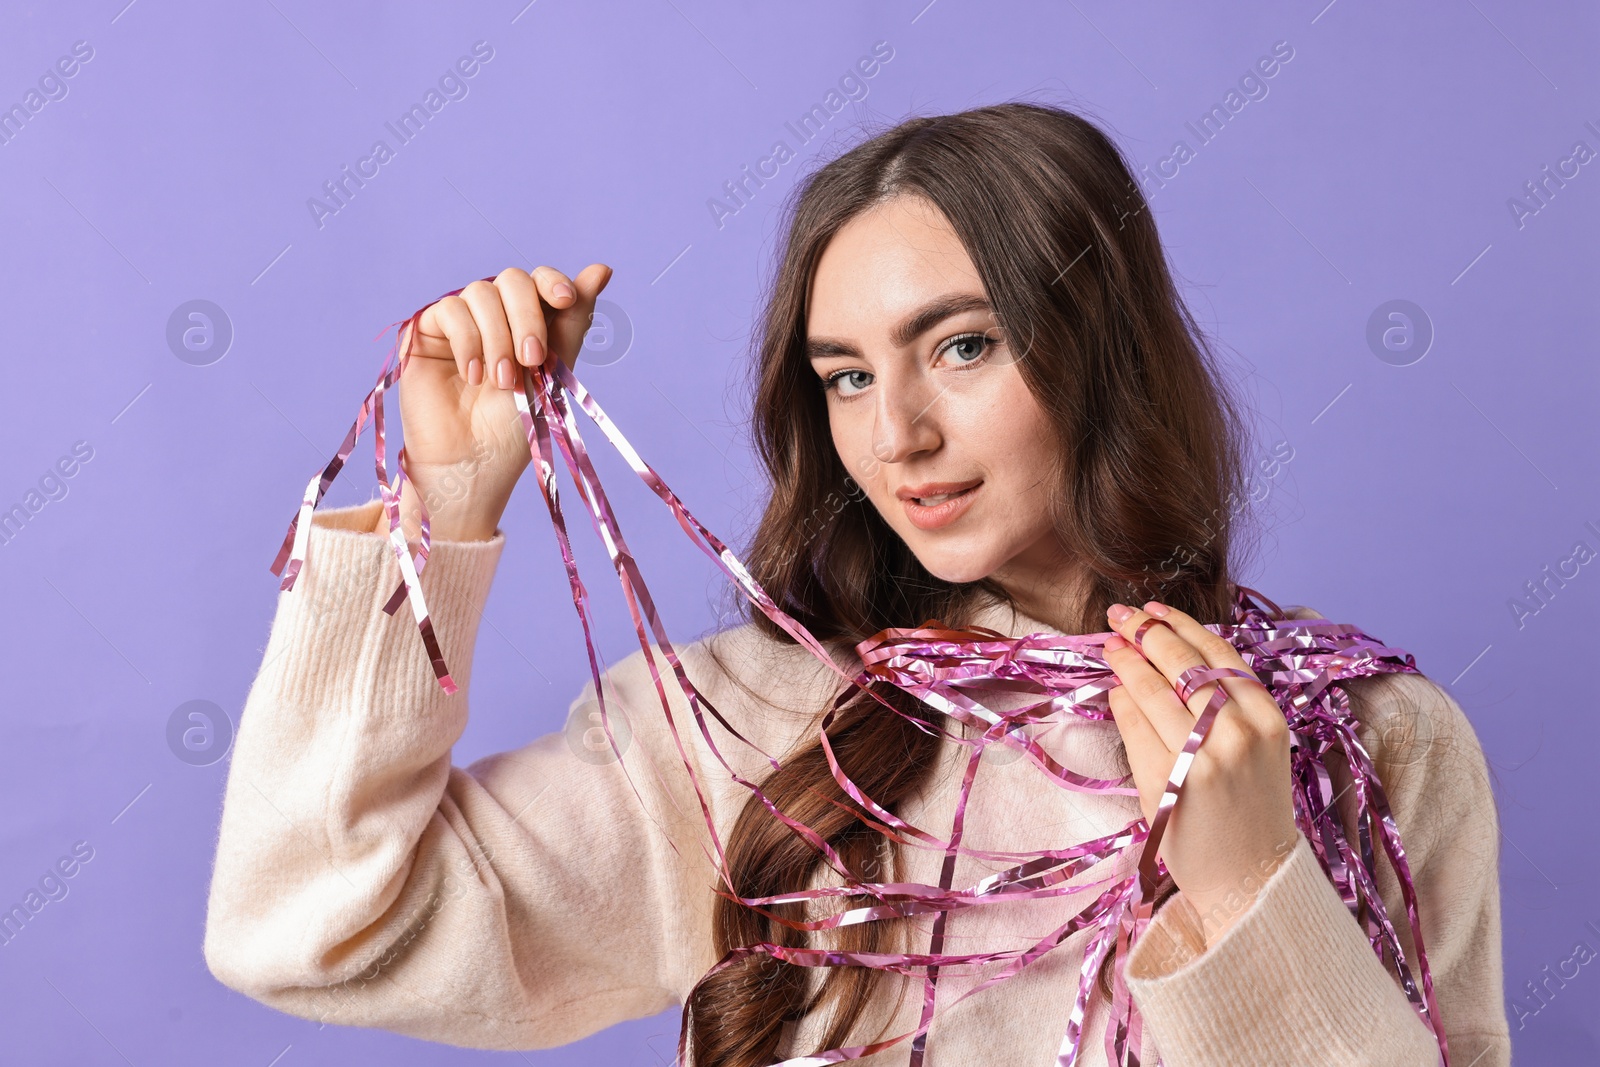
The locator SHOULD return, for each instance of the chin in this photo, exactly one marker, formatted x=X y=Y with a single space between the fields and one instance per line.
x=955 y=564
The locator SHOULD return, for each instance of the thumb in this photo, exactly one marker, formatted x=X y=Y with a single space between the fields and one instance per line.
x=571 y=324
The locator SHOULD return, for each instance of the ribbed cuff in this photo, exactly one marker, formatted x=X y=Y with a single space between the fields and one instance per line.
x=1293 y=976
x=330 y=628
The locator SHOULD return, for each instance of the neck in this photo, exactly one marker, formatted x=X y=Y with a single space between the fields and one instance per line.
x=1046 y=584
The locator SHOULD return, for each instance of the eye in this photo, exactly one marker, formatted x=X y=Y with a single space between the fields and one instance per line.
x=847 y=383
x=969 y=348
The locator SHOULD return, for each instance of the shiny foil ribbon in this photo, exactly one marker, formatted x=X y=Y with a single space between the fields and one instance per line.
x=1302 y=664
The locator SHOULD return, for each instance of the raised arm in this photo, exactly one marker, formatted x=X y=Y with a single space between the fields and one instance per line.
x=523 y=901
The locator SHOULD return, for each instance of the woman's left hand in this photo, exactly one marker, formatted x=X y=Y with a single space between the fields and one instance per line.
x=1234 y=820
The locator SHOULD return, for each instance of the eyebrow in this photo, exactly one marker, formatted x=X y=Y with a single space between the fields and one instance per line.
x=913 y=326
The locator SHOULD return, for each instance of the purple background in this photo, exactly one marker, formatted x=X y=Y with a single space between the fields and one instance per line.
x=179 y=164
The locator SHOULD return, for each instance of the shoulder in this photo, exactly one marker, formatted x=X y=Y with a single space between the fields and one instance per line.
x=1422 y=745
x=1415 y=731
x=1409 y=715
x=773 y=692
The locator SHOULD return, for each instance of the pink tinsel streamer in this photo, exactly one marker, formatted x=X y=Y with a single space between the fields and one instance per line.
x=1299 y=662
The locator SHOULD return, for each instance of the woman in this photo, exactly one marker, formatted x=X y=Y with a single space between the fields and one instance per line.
x=980 y=399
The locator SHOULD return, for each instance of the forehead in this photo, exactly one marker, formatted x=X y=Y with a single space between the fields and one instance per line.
x=884 y=263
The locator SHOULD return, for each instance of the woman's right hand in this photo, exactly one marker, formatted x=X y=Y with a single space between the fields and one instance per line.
x=464 y=440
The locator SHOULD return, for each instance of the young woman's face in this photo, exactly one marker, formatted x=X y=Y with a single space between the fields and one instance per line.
x=927 y=407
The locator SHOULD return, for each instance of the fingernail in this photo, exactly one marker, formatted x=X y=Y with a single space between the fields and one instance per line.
x=532 y=351
x=504 y=376
x=1156 y=608
x=475 y=372
x=562 y=289
x=1118 y=612
x=1114 y=642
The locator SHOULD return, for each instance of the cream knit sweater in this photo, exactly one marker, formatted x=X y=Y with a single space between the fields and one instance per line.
x=528 y=899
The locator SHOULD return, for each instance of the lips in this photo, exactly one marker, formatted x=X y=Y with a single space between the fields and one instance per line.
x=937 y=504
x=930 y=493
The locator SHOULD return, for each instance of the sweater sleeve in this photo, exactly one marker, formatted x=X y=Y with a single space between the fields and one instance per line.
x=1294 y=980
x=523 y=902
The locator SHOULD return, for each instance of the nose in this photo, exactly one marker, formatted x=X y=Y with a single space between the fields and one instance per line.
x=906 y=422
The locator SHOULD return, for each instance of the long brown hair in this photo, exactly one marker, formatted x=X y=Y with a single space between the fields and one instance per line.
x=1150 y=476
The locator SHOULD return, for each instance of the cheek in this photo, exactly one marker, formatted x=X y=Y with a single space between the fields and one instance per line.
x=1029 y=450
x=1010 y=431
x=1022 y=457
x=852 y=443
x=846 y=445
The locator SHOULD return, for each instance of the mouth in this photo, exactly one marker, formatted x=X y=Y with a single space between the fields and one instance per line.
x=936 y=492
x=931 y=506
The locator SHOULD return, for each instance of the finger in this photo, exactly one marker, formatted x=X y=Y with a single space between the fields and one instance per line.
x=569 y=325
x=555 y=287
x=490 y=314
x=1153 y=693
x=555 y=292
x=446 y=330
x=1168 y=652
x=1148 y=756
x=1252 y=698
x=525 y=314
